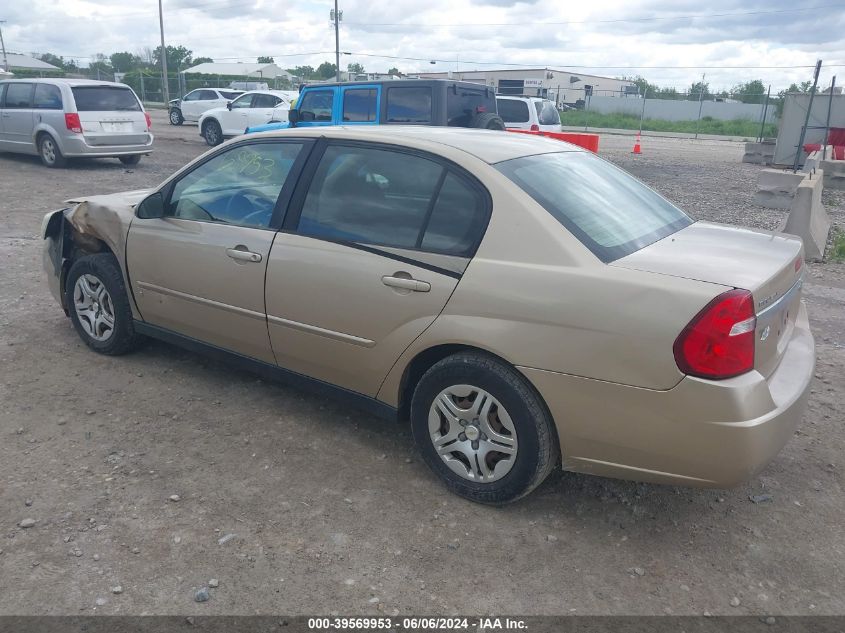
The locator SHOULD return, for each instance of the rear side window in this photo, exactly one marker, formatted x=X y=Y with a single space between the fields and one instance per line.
x=18 y=96
x=265 y=101
x=464 y=103
x=389 y=198
x=547 y=113
x=409 y=105
x=105 y=99
x=360 y=105
x=316 y=105
x=207 y=95
x=609 y=211
x=47 y=97
x=513 y=111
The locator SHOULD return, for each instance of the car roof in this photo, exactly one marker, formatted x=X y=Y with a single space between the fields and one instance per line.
x=397 y=83
x=523 y=98
x=276 y=93
x=491 y=146
x=69 y=81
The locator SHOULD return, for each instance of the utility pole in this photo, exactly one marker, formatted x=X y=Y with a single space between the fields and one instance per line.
x=336 y=18
x=3 y=46
x=165 y=89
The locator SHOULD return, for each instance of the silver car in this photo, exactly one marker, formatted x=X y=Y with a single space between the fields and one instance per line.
x=67 y=118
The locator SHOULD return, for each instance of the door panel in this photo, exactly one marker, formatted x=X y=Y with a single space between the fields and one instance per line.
x=16 y=118
x=333 y=316
x=184 y=280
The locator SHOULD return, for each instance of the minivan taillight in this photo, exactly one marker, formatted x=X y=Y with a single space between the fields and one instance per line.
x=73 y=123
x=719 y=342
x=535 y=128
x=149 y=120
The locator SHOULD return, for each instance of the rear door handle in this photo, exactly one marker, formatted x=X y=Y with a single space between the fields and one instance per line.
x=239 y=253
x=404 y=283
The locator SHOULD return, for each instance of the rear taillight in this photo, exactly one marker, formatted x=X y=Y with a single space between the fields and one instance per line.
x=799 y=261
x=719 y=342
x=535 y=128
x=149 y=120
x=73 y=123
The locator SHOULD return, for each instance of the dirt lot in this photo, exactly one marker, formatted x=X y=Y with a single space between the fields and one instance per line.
x=329 y=509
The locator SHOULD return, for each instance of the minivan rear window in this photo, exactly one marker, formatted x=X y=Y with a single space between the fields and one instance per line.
x=104 y=99
x=513 y=111
x=609 y=211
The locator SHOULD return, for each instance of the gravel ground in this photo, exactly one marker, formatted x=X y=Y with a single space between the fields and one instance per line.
x=294 y=504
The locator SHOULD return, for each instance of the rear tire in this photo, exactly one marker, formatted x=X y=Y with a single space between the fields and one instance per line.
x=98 y=304
x=49 y=152
x=494 y=441
x=212 y=133
x=487 y=121
x=134 y=159
x=176 y=117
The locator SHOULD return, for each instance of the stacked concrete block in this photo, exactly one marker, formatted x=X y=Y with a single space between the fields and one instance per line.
x=807 y=216
x=776 y=188
x=834 y=174
x=759 y=153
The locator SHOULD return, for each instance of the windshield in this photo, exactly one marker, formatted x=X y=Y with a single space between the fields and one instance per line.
x=104 y=99
x=609 y=211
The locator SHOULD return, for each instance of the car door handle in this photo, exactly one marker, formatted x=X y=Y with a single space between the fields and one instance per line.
x=406 y=283
x=240 y=253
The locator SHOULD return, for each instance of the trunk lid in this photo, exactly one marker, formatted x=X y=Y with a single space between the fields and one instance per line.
x=768 y=264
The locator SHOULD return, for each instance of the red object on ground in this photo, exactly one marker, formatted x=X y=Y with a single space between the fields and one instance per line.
x=836 y=136
x=839 y=152
x=587 y=141
x=637 y=149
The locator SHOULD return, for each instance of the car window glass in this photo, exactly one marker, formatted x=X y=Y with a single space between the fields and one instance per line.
x=265 y=101
x=192 y=96
x=409 y=105
x=2 y=94
x=608 y=210
x=47 y=97
x=18 y=96
x=208 y=95
x=238 y=187
x=104 y=99
x=547 y=113
x=227 y=94
x=316 y=105
x=370 y=196
x=242 y=102
x=463 y=103
x=457 y=219
x=360 y=105
x=513 y=111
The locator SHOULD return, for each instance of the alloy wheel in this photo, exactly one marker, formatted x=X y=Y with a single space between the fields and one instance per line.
x=94 y=307
x=48 y=150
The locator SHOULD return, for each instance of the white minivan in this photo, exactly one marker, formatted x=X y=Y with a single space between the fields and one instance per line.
x=528 y=113
x=59 y=119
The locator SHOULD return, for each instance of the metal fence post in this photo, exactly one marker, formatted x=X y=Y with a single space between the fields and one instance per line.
x=143 y=96
x=700 y=104
x=642 y=112
x=827 y=124
x=800 y=147
x=765 y=112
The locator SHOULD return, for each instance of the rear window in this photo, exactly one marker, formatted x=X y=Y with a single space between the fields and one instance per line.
x=104 y=99
x=513 y=111
x=547 y=113
x=609 y=211
x=409 y=105
x=463 y=103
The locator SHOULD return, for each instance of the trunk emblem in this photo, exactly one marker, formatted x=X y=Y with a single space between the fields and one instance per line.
x=765 y=333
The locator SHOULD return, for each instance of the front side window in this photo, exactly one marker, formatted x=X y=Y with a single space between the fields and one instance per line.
x=244 y=101
x=265 y=101
x=409 y=105
x=513 y=111
x=47 y=97
x=608 y=210
x=18 y=96
x=388 y=198
x=359 y=105
x=239 y=186
x=547 y=113
x=316 y=105
x=105 y=99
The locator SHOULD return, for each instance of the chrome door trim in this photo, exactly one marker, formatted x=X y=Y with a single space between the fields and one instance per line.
x=313 y=329
x=144 y=285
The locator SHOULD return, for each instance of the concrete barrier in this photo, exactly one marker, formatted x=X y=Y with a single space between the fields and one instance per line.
x=807 y=217
x=776 y=188
x=812 y=162
x=759 y=153
x=834 y=174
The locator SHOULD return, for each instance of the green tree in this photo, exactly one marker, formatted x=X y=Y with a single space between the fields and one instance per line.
x=263 y=59
x=124 y=62
x=303 y=72
x=327 y=70
x=699 y=90
x=394 y=71
x=355 y=69
x=201 y=60
x=100 y=66
x=55 y=60
x=750 y=92
x=178 y=58
x=645 y=87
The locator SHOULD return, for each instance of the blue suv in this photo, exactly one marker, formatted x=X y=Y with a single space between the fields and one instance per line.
x=396 y=102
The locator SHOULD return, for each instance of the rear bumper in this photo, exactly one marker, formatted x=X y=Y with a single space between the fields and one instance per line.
x=77 y=146
x=699 y=433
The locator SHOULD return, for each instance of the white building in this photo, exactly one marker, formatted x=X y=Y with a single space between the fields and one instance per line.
x=27 y=64
x=252 y=71
x=562 y=86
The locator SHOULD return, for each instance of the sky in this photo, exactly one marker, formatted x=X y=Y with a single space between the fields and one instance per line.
x=668 y=43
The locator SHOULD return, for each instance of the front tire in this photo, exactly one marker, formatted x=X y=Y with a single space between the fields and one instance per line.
x=98 y=304
x=176 y=117
x=49 y=152
x=212 y=133
x=483 y=429
x=133 y=159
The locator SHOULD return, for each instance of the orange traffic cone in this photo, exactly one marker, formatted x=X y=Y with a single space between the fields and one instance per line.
x=637 y=149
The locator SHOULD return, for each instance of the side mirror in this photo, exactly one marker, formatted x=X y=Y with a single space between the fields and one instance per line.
x=228 y=105
x=293 y=117
x=151 y=207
